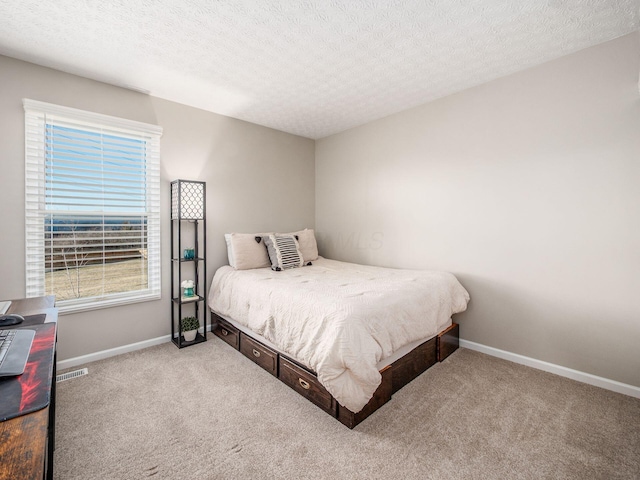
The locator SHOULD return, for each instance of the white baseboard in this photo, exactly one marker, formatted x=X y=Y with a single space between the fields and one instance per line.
x=583 y=377
x=112 y=352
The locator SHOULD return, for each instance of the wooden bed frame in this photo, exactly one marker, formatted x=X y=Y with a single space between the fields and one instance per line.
x=305 y=381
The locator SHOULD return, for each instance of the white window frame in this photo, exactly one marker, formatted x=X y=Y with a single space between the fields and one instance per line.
x=37 y=116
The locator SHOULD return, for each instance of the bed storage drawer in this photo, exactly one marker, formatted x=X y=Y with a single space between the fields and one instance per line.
x=448 y=341
x=307 y=385
x=225 y=331
x=418 y=360
x=259 y=353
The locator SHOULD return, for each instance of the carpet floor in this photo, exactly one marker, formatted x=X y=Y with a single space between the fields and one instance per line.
x=207 y=412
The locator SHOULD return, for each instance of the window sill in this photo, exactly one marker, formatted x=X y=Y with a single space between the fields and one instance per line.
x=98 y=305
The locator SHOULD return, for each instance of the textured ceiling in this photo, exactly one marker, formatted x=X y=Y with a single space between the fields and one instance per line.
x=309 y=67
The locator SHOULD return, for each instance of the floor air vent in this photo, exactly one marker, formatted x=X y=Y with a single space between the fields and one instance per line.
x=69 y=375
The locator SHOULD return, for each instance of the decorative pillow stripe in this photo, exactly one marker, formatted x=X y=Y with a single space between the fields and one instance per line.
x=284 y=251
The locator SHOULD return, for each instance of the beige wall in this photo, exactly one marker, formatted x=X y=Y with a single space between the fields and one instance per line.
x=527 y=188
x=245 y=166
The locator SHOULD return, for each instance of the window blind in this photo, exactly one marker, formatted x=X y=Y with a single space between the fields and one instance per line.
x=92 y=207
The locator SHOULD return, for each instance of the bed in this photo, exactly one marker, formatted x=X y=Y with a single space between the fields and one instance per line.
x=343 y=335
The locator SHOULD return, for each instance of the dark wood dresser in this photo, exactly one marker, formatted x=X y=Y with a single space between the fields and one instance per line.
x=27 y=440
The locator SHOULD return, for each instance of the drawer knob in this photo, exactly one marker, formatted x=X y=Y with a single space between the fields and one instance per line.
x=224 y=332
x=256 y=353
x=304 y=384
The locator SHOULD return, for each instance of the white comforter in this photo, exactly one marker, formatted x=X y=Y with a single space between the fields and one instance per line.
x=340 y=319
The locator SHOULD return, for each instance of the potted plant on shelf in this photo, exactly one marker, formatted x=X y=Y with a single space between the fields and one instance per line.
x=190 y=326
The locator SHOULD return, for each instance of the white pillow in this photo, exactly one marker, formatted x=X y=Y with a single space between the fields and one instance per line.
x=245 y=252
x=307 y=243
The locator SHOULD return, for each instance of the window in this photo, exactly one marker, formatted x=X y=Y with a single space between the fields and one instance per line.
x=92 y=207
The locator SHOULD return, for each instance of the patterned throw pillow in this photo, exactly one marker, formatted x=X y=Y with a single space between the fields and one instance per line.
x=284 y=251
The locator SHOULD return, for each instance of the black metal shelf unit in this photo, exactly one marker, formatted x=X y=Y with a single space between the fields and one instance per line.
x=188 y=258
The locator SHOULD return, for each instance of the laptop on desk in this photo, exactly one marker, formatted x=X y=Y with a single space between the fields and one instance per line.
x=15 y=346
x=4 y=306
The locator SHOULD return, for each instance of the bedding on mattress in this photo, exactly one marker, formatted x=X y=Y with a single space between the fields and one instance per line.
x=339 y=319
